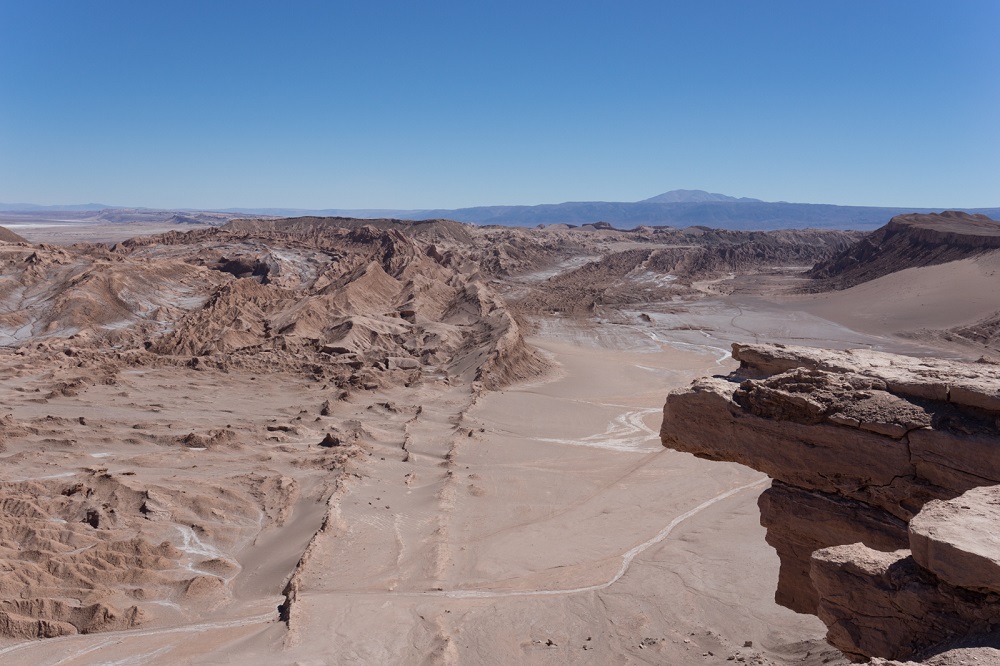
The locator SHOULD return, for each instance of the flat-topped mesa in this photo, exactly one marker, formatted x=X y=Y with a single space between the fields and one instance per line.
x=951 y=227
x=858 y=442
x=909 y=241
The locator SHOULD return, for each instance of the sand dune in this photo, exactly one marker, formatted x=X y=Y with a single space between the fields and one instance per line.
x=944 y=296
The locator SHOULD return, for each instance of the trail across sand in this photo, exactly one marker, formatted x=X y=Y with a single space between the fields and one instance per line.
x=525 y=519
x=345 y=424
x=103 y=641
x=627 y=558
x=486 y=525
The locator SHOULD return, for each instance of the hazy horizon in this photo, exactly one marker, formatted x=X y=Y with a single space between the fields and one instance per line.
x=78 y=206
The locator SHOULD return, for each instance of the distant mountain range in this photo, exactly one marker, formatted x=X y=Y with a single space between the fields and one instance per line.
x=677 y=208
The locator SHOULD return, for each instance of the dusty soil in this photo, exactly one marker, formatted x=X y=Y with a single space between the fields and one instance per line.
x=278 y=443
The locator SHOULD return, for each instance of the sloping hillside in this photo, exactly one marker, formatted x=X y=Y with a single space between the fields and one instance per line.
x=909 y=241
x=8 y=236
x=922 y=276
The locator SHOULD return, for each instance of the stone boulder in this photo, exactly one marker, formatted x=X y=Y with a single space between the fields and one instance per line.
x=959 y=540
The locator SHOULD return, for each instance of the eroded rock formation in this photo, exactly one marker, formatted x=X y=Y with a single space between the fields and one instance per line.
x=884 y=509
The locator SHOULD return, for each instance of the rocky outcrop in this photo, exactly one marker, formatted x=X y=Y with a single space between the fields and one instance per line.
x=885 y=604
x=358 y=304
x=878 y=509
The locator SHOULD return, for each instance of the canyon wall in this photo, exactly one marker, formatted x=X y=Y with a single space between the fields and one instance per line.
x=884 y=509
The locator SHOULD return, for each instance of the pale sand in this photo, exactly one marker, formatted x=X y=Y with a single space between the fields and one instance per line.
x=524 y=536
x=561 y=518
x=67 y=233
x=520 y=527
x=932 y=297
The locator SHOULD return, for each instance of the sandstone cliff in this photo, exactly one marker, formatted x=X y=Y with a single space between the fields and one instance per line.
x=883 y=510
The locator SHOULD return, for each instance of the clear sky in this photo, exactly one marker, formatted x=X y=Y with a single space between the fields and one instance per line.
x=443 y=104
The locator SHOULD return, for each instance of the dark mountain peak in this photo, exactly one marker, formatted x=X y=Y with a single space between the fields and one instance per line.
x=693 y=196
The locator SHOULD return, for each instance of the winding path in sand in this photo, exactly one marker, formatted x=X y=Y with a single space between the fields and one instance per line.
x=508 y=522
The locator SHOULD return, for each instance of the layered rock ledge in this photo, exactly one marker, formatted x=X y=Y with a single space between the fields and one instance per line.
x=885 y=508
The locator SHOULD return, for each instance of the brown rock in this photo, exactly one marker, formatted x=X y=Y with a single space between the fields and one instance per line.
x=707 y=422
x=959 y=540
x=800 y=522
x=879 y=604
x=331 y=440
x=978 y=394
x=201 y=587
x=19 y=626
x=861 y=443
x=955 y=461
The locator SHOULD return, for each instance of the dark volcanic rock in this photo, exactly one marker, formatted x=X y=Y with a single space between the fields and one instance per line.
x=331 y=440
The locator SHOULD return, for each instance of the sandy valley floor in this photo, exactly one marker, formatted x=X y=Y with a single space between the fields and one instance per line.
x=540 y=524
x=543 y=523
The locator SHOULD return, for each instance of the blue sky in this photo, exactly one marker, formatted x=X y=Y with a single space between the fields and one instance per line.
x=448 y=104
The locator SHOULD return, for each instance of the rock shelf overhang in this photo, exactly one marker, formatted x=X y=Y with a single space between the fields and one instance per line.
x=885 y=508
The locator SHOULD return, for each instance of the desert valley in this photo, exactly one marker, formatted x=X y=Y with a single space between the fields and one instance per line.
x=377 y=333
x=335 y=440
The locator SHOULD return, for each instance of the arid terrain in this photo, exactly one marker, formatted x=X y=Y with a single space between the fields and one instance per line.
x=340 y=441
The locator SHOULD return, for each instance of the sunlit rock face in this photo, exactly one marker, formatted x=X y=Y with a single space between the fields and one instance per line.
x=883 y=510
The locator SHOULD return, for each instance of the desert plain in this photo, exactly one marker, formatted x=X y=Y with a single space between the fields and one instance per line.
x=329 y=441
